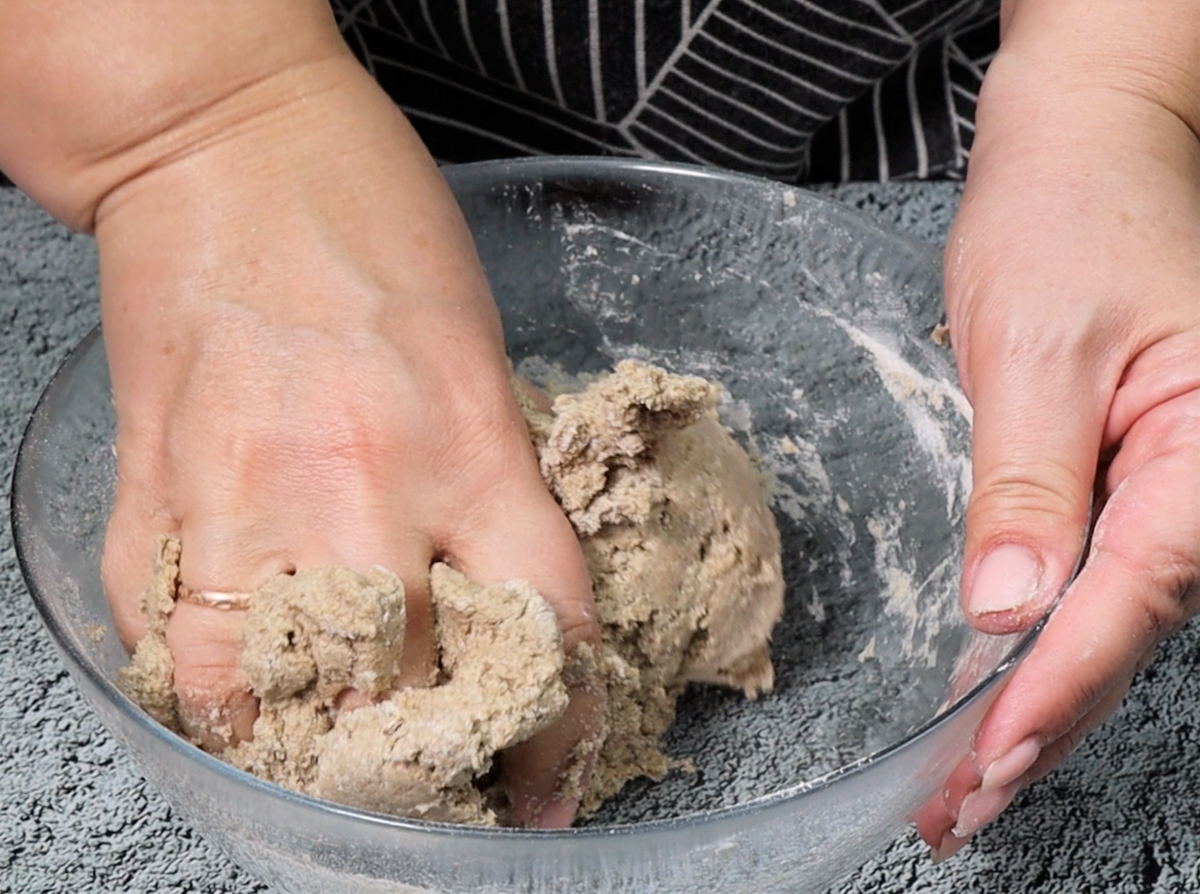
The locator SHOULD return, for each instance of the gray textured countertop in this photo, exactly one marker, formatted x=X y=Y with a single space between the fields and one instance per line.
x=1120 y=816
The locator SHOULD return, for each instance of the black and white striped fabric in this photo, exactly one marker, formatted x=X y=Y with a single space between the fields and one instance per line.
x=816 y=90
x=789 y=89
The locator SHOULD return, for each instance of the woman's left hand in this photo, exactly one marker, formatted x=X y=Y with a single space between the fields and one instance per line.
x=1073 y=290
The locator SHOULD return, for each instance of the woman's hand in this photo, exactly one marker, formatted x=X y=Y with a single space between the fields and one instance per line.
x=307 y=365
x=1073 y=289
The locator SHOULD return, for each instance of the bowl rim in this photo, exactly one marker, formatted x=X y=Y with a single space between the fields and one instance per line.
x=548 y=167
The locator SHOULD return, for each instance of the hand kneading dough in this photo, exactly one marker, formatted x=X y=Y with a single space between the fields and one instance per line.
x=684 y=559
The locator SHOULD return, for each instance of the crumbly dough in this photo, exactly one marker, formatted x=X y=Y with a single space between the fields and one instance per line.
x=148 y=678
x=684 y=559
x=419 y=751
x=682 y=549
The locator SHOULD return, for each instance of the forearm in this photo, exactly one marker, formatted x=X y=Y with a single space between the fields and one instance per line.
x=1149 y=50
x=1080 y=84
x=93 y=92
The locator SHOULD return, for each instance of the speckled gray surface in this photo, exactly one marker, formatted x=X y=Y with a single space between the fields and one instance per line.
x=77 y=817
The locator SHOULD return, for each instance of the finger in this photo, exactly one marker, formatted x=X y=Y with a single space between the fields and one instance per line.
x=216 y=706
x=127 y=565
x=1159 y=374
x=996 y=790
x=1039 y=417
x=1139 y=583
x=935 y=817
x=969 y=802
x=526 y=537
x=1053 y=754
x=362 y=544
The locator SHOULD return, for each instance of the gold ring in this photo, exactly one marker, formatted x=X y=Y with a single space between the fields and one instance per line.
x=218 y=599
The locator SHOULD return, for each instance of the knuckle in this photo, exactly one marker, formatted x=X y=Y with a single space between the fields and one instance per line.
x=490 y=463
x=1035 y=493
x=1012 y=332
x=1173 y=581
x=1084 y=693
x=354 y=438
x=1171 y=576
x=488 y=432
x=578 y=625
x=326 y=449
x=1042 y=354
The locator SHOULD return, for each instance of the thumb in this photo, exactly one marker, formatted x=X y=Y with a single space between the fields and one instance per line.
x=1040 y=411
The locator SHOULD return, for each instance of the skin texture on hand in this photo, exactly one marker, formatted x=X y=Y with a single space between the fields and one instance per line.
x=1073 y=291
x=307 y=364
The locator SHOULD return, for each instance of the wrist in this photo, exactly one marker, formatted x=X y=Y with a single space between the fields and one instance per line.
x=1148 y=50
x=97 y=93
x=1071 y=96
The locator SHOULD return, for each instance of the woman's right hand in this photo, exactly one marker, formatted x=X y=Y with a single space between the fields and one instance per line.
x=307 y=364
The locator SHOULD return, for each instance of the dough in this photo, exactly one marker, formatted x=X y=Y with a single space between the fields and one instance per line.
x=419 y=751
x=684 y=559
x=682 y=549
x=147 y=679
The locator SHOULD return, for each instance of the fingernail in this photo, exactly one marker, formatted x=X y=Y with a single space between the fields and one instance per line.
x=951 y=844
x=979 y=808
x=1007 y=578
x=1010 y=767
x=558 y=814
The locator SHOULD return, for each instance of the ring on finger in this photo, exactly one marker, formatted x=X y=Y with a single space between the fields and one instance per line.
x=224 y=600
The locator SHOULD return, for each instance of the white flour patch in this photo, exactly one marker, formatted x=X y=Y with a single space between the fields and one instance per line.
x=920 y=607
x=574 y=231
x=815 y=607
x=735 y=415
x=868 y=651
x=919 y=397
x=582 y=258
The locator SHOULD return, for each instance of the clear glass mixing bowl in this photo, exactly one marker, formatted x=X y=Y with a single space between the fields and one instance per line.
x=817 y=322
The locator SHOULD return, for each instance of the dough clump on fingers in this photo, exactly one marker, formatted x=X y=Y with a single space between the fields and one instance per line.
x=684 y=559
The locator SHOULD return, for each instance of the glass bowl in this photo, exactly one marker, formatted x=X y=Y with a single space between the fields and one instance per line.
x=817 y=322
